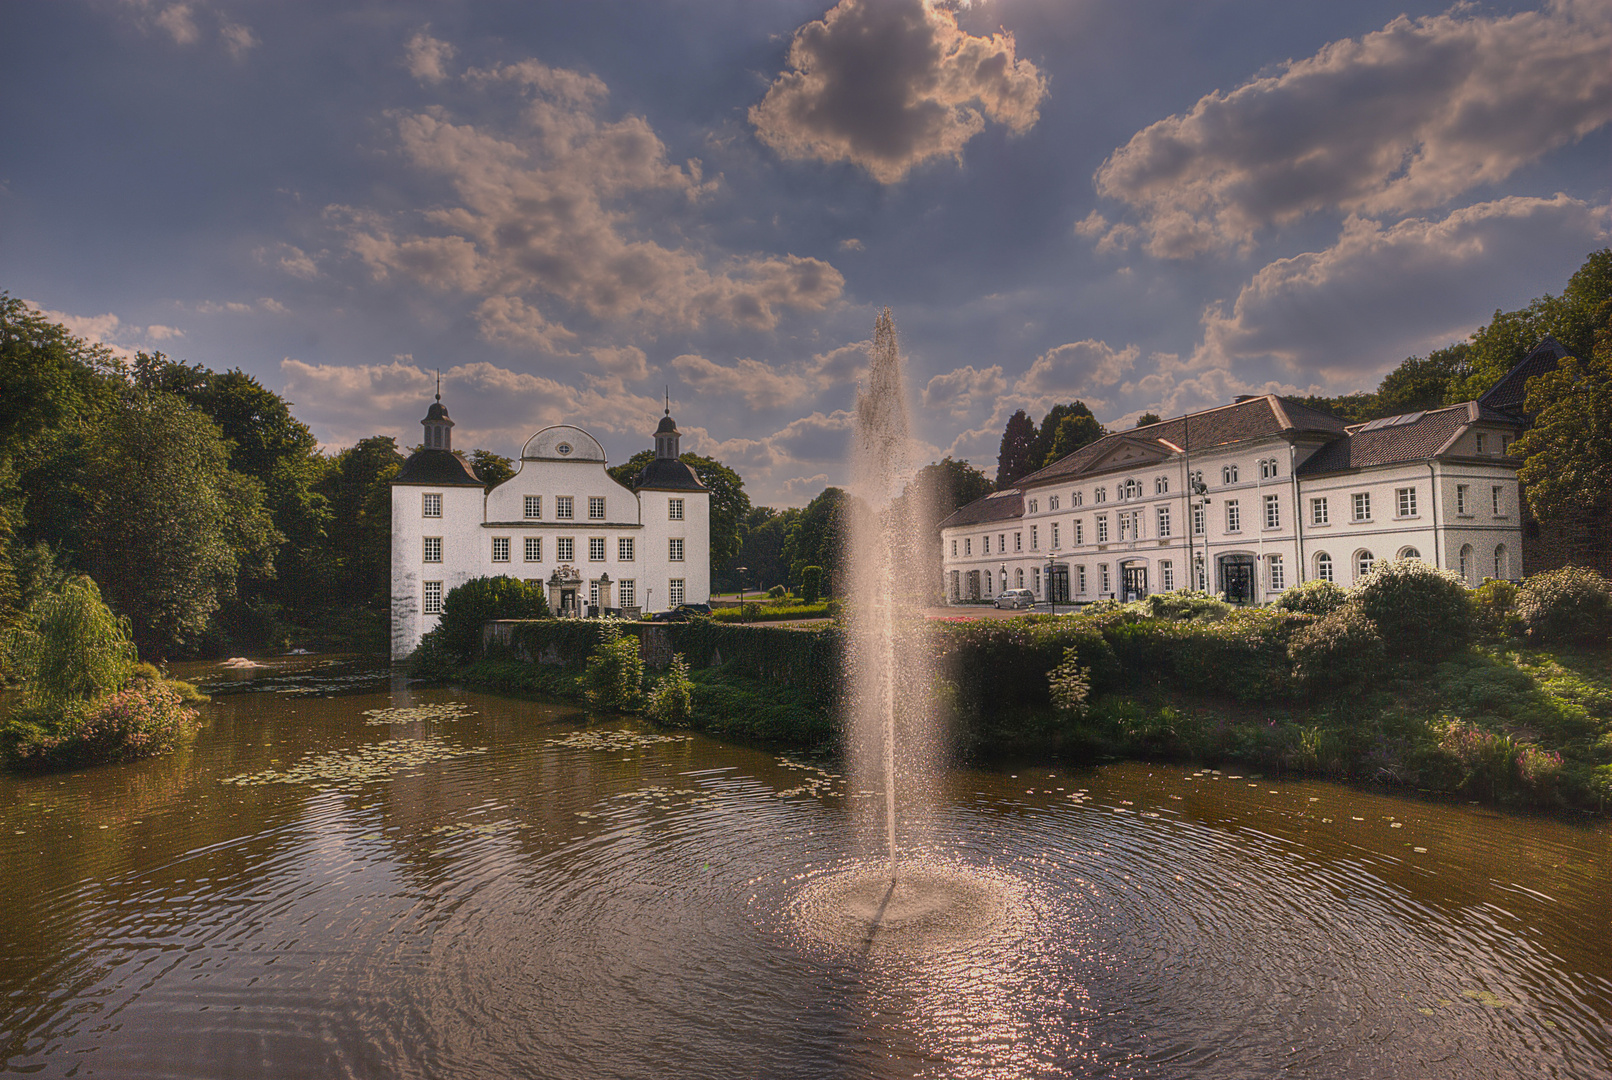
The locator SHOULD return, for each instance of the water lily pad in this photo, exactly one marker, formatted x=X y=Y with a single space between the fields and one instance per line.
x=418 y=714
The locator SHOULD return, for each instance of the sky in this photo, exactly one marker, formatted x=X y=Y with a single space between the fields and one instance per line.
x=572 y=208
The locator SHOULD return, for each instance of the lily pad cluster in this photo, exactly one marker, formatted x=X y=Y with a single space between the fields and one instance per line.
x=418 y=714
x=613 y=740
x=367 y=765
x=814 y=781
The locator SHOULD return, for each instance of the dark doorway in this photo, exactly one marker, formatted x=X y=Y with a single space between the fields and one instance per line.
x=1134 y=582
x=1058 y=583
x=1237 y=578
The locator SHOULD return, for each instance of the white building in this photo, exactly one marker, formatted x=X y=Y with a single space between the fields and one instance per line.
x=1247 y=500
x=561 y=522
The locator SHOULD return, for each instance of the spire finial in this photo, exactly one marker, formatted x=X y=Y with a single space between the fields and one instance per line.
x=439 y=384
x=668 y=399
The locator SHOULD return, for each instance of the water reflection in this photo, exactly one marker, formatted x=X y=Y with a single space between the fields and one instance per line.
x=559 y=898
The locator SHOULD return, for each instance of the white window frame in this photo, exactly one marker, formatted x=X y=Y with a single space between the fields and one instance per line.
x=1275 y=573
x=1318 y=510
x=1167 y=575
x=627 y=592
x=1055 y=536
x=533 y=507
x=624 y=549
x=1364 y=561
x=431 y=549
x=1018 y=541
x=596 y=508
x=675 y=591
x=565 y=549
x=1164 y=523
x=1405 y=502
x=674 y=509
x=1200 y=519
x=431 y=504
x=1107 y=581
x=674 y=549
x=1075 y=499
x=430 y=598
x=564 y=508
x=1034 y=543
x=1324 y=568
x=500 y=549
x=1102 y=528
x=1080 y=533
x=1273 y=511
x=533 y=549
x=596 y=549
x=1494 y=499
x=1080 y=579
x=1228 y=474
x=1462 y=500
x=1234 y=516
x=1362 y=505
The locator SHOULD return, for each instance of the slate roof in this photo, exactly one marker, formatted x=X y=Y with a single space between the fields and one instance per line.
x=437 y=468
x=1393 y=444
x=668 y=474
x=1253 y=418
x=997 y=506
x=1507 y=395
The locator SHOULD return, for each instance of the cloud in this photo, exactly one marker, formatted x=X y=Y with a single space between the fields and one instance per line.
x=290 y=259
x=850 y=243
x=163 y=333
x=511 y=321
x=1075 y=370
x=627 y=362
x=843 y=366
x=558 y=205
x=180 y=23
x=427 y=57
x=958 y=391
x=760 y=385
x=1380 y=293
x=890 y=84
x=1402 y=119
x=238 y=39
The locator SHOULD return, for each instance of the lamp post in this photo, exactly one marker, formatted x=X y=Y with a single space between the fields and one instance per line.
x=1198 y=500
x=1003 y=589
x=740 y=570
x=1046 y=583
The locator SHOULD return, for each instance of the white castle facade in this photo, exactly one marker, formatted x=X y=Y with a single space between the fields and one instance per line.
x=1247 y=500
x=561 y=522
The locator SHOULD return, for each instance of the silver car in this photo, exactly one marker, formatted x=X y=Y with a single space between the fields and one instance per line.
x=1015 y=598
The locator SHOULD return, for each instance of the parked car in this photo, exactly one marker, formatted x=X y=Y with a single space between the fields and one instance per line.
x=1015 y=598
x=681 y=613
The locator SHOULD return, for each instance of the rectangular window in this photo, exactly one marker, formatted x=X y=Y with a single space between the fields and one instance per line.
x=534 y=506
x=1234 y=516
x=562 y=507
x=674 y=550
x=565 y=549
x=628 y=588
x=624 y=552
x=1197 y=519
x=1167 y=575
x=1103 y=570
x=1362 y=506
x=1495 y=500
x=674 y=509
x=1277 y=580
x=593 y=592
x=1164 y=521
x=433 y=549
x=1461 y=499
x=674 y=591
x=1035 y=579
x=985 y=543
x=1055 y=536
x=431 y=505
x=1080 y=578
x=596 y=548
x=1102 y=528
x=1407 y=501
x=1273 y=512
x=534 y=549
x=1124 y=527
x=595 y=507
x=1318 y=511
x=431 y=598
x=1480 y=442
x=1001 y=541
x=954 y=549
x=1080 y=533
x=968 y=545
x=1033 y=542
x=500 y=549
x=1018 y=541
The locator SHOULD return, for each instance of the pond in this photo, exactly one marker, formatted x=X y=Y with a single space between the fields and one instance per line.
x=345 y=876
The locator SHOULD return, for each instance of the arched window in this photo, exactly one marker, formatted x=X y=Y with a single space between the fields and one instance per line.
x=1075 y=499
x=1100 y=495
x=1228 y=474
x=1323 y=566
x=1502 y=565
x=1363 y=561
x=1161 y=485
x=1133 y=489
x=1410 y=553
x=1466 y=563
x=1020 y=582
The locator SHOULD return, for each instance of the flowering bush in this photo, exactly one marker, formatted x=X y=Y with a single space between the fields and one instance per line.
x=1413 y=602
x=1539 y=769
x=1340 y=648
x=142 y=720
x=1315 y=597
x=1572 y=604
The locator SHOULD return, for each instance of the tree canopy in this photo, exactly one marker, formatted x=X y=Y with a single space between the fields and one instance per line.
x=1013 y=460
x=729 y=504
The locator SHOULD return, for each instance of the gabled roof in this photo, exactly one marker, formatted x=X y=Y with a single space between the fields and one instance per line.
x=1507 y=395
x=1252 y=418
x=437 y=468
x=997 y=506
x=1395 y=440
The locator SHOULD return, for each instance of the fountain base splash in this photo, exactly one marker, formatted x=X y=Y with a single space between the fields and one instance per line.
x=933 y=907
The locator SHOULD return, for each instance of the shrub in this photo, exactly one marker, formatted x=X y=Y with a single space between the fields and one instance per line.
x=1187 y=604
x=1315 y=597
x=671 y=702
x=1539 y=770
x=69 y=646
x=1495 y=602
x=811 y=583
x=1070 y=685
x=1340 y=648
x=1415 y=603
x=777 y=592
x=468 y=606
x=1486 y=759
x=750 y=611
x=1572 y=604
x=140 y=721
x=613 y=679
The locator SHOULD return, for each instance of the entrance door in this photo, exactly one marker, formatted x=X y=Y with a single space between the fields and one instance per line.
x=1058 y=583
x=568 y=601
x=1237 y=579
x=1135 y=582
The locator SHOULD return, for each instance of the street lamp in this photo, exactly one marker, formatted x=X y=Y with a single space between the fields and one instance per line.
x=1046 y=583
x=740 y=570
x=1003 y=589
x=1198 y=499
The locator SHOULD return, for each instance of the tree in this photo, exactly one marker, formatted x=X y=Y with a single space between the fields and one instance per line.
x=1075 y=430
x=762 y=551
x=1421 y=383
x=70 y=647
x=1567 y=453
x=811 y=583
x=729 y=504
x=172 y=525
x=491 y=469
x=946 y=484
x=1148 y=418
x=468 y=606
x=358 y=486
x=1042 y=451
x=1013 y=460
x=817 y=538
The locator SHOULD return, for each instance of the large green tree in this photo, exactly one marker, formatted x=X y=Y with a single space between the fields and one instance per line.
x=818 y=538
x=172 y=525
x=762 y=552
x=1013 y=459
x=1075 y=429
x=729 y=505
x=358 y=487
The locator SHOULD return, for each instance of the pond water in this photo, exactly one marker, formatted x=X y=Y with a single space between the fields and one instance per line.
x=473 y=886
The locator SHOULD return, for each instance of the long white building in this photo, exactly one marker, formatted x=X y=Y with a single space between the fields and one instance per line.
x=561 y=522
x=1247 y=500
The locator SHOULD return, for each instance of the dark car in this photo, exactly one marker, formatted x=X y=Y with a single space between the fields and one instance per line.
x=681 y=613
